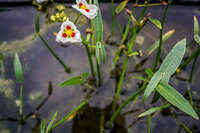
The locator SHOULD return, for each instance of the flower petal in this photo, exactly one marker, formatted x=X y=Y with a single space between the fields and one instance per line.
x=75 y=39
x=90 y=11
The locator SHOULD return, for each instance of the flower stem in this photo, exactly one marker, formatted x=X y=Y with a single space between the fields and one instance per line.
x=77 y=18
x=67 y=69
x=21 y=105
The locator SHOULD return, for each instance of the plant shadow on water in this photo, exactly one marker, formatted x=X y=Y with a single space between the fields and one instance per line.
x=40 y=68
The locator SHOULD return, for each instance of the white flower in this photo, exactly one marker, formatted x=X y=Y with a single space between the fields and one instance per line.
x=68 y=33
x=40 y=1
x=86 y=9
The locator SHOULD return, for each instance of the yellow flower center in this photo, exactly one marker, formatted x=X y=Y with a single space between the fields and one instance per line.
x=68 y=32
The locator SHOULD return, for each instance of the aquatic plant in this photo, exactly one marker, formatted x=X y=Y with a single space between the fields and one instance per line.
x=154 y=81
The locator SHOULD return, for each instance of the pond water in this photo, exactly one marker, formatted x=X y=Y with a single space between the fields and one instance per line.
x=40 y=68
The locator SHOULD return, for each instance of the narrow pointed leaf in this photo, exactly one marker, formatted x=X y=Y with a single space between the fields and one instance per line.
x=172 y=60
x=121 y=6
x=166 y=36
x=97 y=53
x=18 y=69
x=103 y=53
x=196 y=26
x=42 y=129
x=156 y=22
x=72 y=81
x=152 y=84
x=51 y=122
x=197 y=39
x=176 y=99
x=153 y=110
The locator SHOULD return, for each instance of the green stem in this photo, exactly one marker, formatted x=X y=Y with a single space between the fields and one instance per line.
x=89 y=53
x=67 y=69
x=77 y=18
x=161 y=38
x=98 y=73
x=130 y=45
x=70 y=114
x=188 y=60
x=149 y=124
x=21 y=105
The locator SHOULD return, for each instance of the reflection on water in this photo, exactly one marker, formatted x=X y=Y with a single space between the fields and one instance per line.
x=17 y=29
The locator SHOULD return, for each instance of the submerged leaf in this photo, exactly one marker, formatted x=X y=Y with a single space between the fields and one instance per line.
x=166 y=36
x=175 y=98
x=153 y=110
x=121 y=6
x=18 y=68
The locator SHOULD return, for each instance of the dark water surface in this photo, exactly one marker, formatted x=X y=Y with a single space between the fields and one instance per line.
x=40 y=67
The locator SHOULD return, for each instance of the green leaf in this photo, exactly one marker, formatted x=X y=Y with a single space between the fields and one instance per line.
x=167 y=68
x=149 y=72
x=84 y=75
x=156 y=22
x=97 y=53
x=98 y=24
x=70 y=114
x=140 y=78
x=166 y=36
x=37 y=23
x=196 y=26
x=152 y=84
x=18 y=69
x=98 y=32
x=51 y=122
x=72 y=81
x=121 y=6
x=152 y=110
x=176 y=99
x=43 y=126
x=172 y=60
x=197 y=39
x=103 y=53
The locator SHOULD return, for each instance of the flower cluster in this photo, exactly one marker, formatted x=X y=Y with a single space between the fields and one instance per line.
x=68 y=31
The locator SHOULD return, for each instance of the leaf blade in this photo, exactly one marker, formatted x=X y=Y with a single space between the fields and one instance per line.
x=196 y=26
x=176 y=99
x=121 y=6
x=51 y=122
x=156 y=22
x=72 y=81
x=152 y=84
x=18 y=69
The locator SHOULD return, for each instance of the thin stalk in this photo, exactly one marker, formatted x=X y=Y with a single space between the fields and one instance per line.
x=193 y=66
x=89 y=55
x=21 y=105
x=98 y=73
x=113 y=17
x=148 y=123
x=102 y=121
x=127 y=101
x=67 y=69
x=158 y=56
x=70 y=114
x=130 y=45
x=77 y=18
